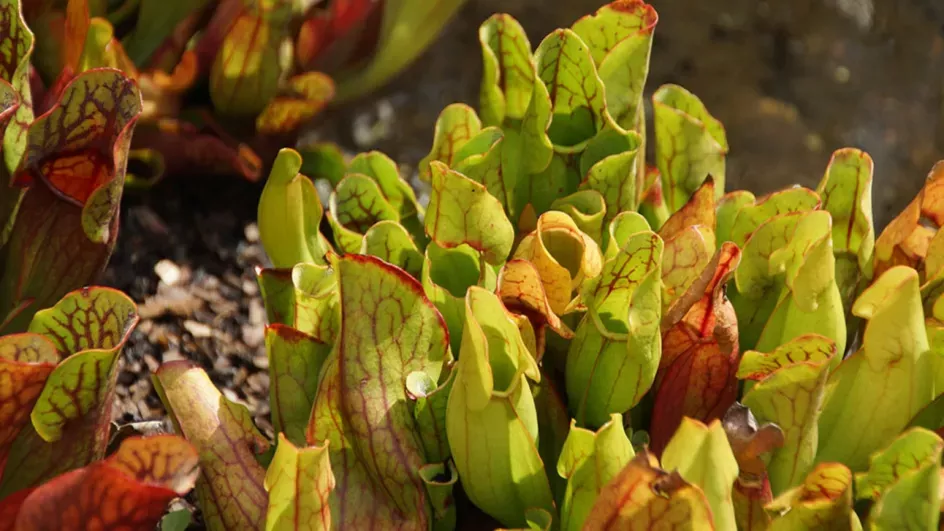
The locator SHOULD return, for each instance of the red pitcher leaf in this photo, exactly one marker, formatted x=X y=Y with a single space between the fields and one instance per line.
x=456 y=124
x=696 y=375
x=295 y=360
x=71 y=417
x=643 y=496
x=521 y=291
x=197 y=153
x=300 y=101
x=326 y=25
x=76 y=30
x=699 y=210
x=10 y=507
x=299 y=481
x=25 y=362
x=389 y=330
x=230 y=489
x=906 y=239
x=128 y=490
x=74 y=166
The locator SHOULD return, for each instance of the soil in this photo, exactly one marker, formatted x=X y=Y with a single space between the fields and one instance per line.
x=791 y=81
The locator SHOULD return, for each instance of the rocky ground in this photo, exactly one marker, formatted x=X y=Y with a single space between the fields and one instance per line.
x=791 y=81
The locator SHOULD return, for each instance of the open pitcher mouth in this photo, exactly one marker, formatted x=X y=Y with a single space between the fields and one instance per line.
x=75 y=176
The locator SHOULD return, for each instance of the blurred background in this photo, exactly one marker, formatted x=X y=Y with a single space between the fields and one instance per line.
x=791 y=80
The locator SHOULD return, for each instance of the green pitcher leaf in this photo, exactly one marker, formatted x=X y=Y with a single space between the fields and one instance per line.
x=822 y=501
x=624 y=225
x=440 y=480
x=156 y=22
x=390 y=242
x=619 y=36
x=491 y=418
x=295 y=361
x=245 y=74
x=447 y=275
x=429 y=410
x=389 y=329
x=789 y=392
x=588 y=210
x=643 y=496
x=16 y=40
x=846 y=190
x=703 y=457
x=461 y=211
x=686 y=255
x=727 y=210
x=457 y=123
x=589 y=461
x=397 y=191
x=903 y=480
x=563 y=255
x=613 y=175
x=299 y=481
x=690 y=144
x=356 y=204
x=304 y=298
x=290 y=214
x=578 y=103
x=751 y=215
x=485 y=166
x=614 y=356
x=230 y=497
x=874 y=392
x=507 y=72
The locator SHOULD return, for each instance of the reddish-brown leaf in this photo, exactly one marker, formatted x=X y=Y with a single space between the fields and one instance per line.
x=696 y=375
x=128 y=490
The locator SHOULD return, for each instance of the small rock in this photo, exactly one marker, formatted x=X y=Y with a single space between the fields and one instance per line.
x=198 y=329
x=168 y=272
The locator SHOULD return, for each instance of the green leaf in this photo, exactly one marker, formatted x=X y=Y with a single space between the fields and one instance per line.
x=295 y=361
x=703 y=457
x=389 y=329
x=589 y=461
x=491 y=419
x=619 y=36
x=507 y=73
x=456 y=125
x=461 y=211
x=690 y=144
x=903 y=481
x=789 y=392
x=614 y=356
x=822 y=501
x=874 y=392
x=230 y=497
x=290 y=215
x=299 y=481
